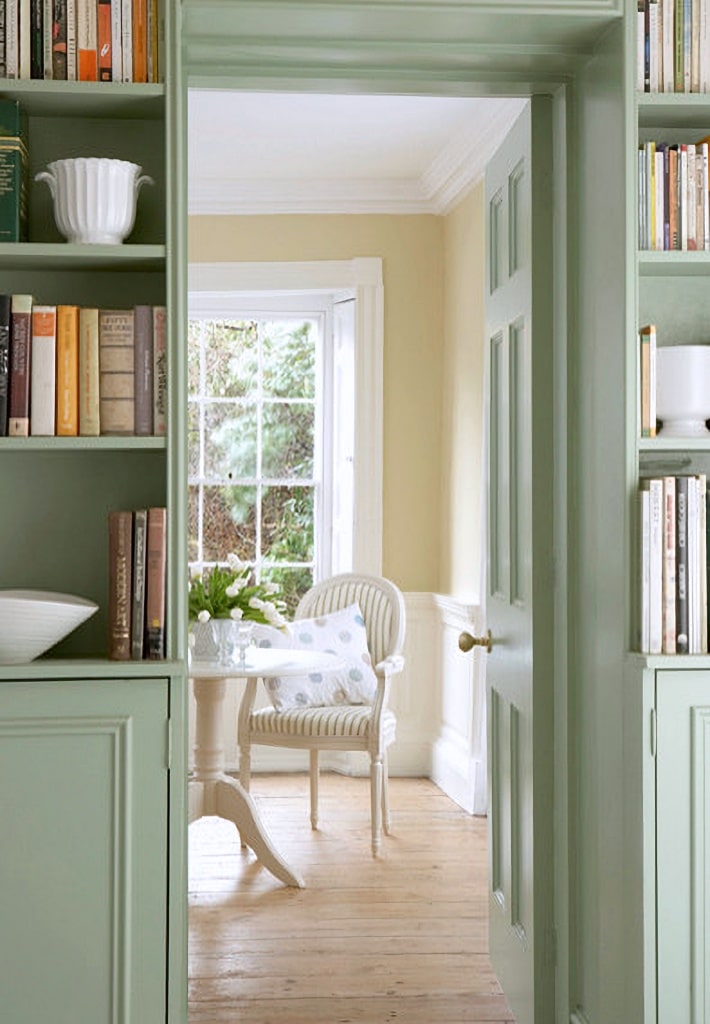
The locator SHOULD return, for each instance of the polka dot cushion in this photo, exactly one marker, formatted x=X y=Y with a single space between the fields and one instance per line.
x=342 y=633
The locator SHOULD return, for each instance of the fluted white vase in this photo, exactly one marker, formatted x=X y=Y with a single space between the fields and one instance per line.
x=94 y=197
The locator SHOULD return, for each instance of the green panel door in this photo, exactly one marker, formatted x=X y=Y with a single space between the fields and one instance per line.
x=519 y=586
x=83 y=851
x=683 y=846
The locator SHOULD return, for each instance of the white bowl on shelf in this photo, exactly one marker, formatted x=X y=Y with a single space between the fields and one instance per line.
x=683 y=390
x=94 y=197
x=32 y=621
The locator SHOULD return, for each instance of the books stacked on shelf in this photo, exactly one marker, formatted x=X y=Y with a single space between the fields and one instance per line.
x=673 y=206
x=14 y=171
x=647 y=380
x=137 y=568
x=73 y=371
x=673 y=46
x=84 y=40
x=674 y=518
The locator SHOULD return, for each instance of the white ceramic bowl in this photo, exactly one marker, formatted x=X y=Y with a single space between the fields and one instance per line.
x=683 y=390
x=94 y=197
x=32 y=621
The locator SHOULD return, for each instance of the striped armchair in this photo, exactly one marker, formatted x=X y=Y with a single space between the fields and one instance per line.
x=369 y=727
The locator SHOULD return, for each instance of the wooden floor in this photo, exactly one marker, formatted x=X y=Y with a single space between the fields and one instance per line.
x=402 y=938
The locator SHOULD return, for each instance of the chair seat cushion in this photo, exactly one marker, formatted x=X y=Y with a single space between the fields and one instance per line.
x=342 y=633
x=350 y=721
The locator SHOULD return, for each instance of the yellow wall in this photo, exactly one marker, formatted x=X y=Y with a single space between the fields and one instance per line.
x=462 y=427
x=412 y=250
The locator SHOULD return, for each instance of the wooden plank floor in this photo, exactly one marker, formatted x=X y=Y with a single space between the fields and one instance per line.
x=402 y=938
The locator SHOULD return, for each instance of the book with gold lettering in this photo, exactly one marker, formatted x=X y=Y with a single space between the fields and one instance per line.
x=120 y=586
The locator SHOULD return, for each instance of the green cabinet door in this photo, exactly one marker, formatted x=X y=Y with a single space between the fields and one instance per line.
x=683 y=846
x=83 y=851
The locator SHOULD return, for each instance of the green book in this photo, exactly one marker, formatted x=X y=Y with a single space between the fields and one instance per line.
x=14 y=172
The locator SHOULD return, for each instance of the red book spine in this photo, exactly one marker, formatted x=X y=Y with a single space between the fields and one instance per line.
x=20 y=347
x=156 y=558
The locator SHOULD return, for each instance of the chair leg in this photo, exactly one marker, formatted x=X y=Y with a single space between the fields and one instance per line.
x=385 y=795
x=244 y=777
x=315 y=771
x=376 y=804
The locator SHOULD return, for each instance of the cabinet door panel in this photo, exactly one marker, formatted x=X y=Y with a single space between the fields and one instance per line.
x=83 y=851
x=683 y=846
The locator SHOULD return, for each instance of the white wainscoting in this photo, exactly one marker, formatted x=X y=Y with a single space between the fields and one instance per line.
x=439 y=700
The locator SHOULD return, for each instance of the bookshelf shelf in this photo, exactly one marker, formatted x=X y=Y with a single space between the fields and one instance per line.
x=649 y=445
x=673 y=110
x=657 y=263
x=42 y=98
x=63 y=256
x=89 y=669
x=107 y=444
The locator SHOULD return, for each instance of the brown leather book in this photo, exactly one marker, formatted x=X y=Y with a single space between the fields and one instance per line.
x=120 y=589
x=156 y=557
x=20 y=349
x=143 y=363
x=116 y=371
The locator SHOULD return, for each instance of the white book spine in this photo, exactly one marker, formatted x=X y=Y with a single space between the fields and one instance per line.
x=640 y=50
x=683 y=196
x=695 y=46
x=702 y=558
x=43 y=360
x=693 y=569
x=116 y=42
x=691 y=198
x=47 y=22
x=25 y=46
x=704 y=47
x=652 y=380
x=656 y=568
x=12 y=26
x=669 y=573
x=658 y=242
x=127 y=39
x=71 y=41
x=668 y=45
x=653 y=20
x=645 y=604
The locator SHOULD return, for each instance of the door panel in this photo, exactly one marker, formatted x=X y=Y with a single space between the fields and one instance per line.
x=520 y=543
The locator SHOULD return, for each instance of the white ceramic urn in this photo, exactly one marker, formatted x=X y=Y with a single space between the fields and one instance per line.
x=94 y=197
x=683 y=390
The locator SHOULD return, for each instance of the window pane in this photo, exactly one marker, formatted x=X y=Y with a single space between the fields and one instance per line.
x=289 y=359
x=229 y=523
x=231 y=358
x=287 y=524
x=193 y=439
x=292 y=584
x=230 y=441
x=193 y=357
x=192 y=521
x=287 y=439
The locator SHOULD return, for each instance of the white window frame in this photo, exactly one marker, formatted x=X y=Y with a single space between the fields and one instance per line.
x=212 y=283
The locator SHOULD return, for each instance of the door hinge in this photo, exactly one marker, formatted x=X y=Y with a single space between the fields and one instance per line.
x=654 y=732
x=168 y=744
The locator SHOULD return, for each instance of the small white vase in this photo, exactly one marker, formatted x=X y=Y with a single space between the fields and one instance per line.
x=216 y=641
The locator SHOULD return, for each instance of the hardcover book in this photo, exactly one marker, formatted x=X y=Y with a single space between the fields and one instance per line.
x=59 y=40
x=160 y=372
x=89 y=417
x=140 y=41
x=86 y=40
x=682 y=637
x=156 y=557
x=143 y=353
x=120 y=573
x=20 y=357
x=43 y=376
x=5 y=304
x=67 y=371
x=116 y=371
x=669 y=567
x=140 y=530
x=14 y=171
x=104 y=42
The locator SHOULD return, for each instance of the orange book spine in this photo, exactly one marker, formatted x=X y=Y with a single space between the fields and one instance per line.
x=156 y=556
x=86 y=39
x=104 y=44
x=140 y=40
x=67 y=371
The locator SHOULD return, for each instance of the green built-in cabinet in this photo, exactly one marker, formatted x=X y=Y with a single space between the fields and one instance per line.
x=92 y=751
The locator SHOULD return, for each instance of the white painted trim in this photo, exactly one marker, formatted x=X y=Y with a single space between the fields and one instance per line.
x=364 y=276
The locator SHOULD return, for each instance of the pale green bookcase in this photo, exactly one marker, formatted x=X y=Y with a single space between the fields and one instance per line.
x=92 y=752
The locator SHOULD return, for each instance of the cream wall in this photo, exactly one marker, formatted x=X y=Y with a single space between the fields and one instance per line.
x=412 y=250
x=462 y=425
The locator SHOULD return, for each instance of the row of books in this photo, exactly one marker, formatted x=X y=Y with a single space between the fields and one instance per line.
x=674 y=519
x=673 y=45
x=674 y=198
x=70 y=371
x=137 y=571
x=648 y=343
x=84 y=40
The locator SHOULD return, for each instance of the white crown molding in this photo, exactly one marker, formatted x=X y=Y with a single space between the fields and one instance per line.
x=451 y=174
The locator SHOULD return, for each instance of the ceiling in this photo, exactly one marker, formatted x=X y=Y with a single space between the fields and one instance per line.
x=309 y=153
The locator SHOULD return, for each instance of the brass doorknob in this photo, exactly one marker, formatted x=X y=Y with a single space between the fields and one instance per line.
x=467 y=641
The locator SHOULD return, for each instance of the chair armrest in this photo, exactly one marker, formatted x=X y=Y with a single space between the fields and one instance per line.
x=391 y=665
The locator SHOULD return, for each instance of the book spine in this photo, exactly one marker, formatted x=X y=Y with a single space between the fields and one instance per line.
x=104 y=43
x=116 y=370
x=140 y=41
x=12 y=40
x=695 y=46
x=156 y=557
x=659 y=240
x=120 y=572
x=693 y=582
x=36 y=39
x=687 y=40
x=116 y=42
x=25 y=40
x=127 y=39
x=89 y=419
x=47 y=39
x=653 y=52
x=669 y=569
x=702 y=561
x=20 y=356
x=673 y=240
x=59 y=40
x=160 y=372
x=152 y=34
x=682 y=565
x=67 y=371
x=678 y=58
x=645 y=537
x=72 y=62
x=143 y=352
x=86 y=40
x=140 y=529
x=647 y=340
x=691 y=197
x=668 y=45
x=5 y=304
x=43 y=377
x=14 y=167
x=3 y=63
x=683 y=197
x=656 y=567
